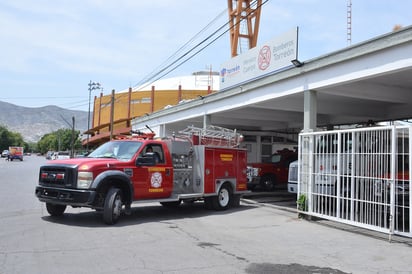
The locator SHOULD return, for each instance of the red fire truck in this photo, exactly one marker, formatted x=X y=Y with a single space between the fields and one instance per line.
x=202 y=164
x=273 y=173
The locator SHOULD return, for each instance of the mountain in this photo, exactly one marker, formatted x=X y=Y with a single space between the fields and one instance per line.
x=33 y=123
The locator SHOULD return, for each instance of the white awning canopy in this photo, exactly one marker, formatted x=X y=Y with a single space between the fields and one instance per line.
x=370 y=81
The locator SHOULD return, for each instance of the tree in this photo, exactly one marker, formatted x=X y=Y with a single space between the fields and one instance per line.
x=5 y=139
x=59 y=140
x=9 y=138
x=47 y=142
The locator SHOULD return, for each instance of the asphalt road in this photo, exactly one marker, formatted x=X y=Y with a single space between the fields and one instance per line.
x=263 y=235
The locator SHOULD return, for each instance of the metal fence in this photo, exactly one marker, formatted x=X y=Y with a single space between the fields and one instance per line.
x=358 y=176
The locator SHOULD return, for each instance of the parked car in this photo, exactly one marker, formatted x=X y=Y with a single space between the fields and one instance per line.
x=61 y=155
x=49 y=155
x=5 y=153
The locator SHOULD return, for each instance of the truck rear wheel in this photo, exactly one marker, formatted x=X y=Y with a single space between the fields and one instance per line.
x=112 y=206
x=55 y=210
x=223 y=199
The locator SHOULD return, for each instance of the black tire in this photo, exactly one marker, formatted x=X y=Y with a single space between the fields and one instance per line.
x=112 y=206
x=208 y=202
x=268 y=183
x=235 y=200
x=251 y=187
x=171 y=204
x=223 y=200
x=55 y=210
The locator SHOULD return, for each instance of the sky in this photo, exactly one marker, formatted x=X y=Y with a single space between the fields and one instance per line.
x=51 y=49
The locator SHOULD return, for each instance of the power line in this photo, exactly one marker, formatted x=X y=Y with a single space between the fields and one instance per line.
x=170 y=58
x=168 y=69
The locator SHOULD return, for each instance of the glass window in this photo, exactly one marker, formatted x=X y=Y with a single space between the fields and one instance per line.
x=266 y=150
x=266 y=139
x=249 y=138
x=122 y=150
x=157 y=150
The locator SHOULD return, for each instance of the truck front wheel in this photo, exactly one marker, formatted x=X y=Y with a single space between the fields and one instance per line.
x=55 y=210
x=223 y=200
x=112 y=206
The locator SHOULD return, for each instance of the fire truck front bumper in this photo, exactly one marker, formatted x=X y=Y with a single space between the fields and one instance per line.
x=72 y=197
x=253 y=178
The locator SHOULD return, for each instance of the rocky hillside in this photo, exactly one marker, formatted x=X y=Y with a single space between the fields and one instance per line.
x=33 y=123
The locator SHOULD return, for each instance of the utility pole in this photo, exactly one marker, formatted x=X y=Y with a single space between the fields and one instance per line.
x=72 y=140
x=112 y=115
x=92 y=86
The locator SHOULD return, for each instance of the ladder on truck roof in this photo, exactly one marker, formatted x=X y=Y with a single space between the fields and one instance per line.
x=212 y=136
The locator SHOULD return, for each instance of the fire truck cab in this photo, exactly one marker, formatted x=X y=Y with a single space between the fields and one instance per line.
x=202 y=164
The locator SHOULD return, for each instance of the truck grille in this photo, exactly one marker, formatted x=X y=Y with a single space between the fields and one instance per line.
x=293 y=173
x=57 y=175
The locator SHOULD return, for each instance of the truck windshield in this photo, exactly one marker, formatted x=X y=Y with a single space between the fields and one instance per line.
x=121 y=150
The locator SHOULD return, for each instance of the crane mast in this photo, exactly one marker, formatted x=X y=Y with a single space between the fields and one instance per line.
x=244 y=18
x=349 y=23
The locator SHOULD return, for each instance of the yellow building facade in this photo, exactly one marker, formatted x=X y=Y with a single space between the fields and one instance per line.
x=112 y=113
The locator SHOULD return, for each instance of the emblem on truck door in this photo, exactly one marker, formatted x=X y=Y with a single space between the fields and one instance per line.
x=156 y=180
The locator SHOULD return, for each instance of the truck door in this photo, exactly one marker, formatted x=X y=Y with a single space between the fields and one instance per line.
x=152 y=182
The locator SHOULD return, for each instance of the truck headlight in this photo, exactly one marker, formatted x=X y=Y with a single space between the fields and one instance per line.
x=84 y=179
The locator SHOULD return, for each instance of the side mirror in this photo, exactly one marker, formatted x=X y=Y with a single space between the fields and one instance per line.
x=147 y=159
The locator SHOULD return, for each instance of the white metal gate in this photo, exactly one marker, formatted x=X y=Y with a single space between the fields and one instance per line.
x=358 y=177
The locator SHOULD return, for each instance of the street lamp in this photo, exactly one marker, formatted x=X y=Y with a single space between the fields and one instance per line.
x=92 y=86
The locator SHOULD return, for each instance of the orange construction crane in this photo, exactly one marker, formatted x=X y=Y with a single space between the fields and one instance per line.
x=244 y=17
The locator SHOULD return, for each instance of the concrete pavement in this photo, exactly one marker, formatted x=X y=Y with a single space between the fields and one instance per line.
x=261 y=236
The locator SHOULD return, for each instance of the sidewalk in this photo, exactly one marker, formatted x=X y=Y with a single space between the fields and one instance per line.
x=344 y=248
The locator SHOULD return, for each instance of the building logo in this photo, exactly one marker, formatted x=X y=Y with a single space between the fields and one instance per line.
x=264 y=58
x=229 y=72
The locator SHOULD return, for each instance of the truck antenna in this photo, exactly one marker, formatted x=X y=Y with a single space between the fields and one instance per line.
x=149 y=129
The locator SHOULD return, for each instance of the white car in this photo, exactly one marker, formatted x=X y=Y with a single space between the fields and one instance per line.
x=61 y=155
x=5 y=153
